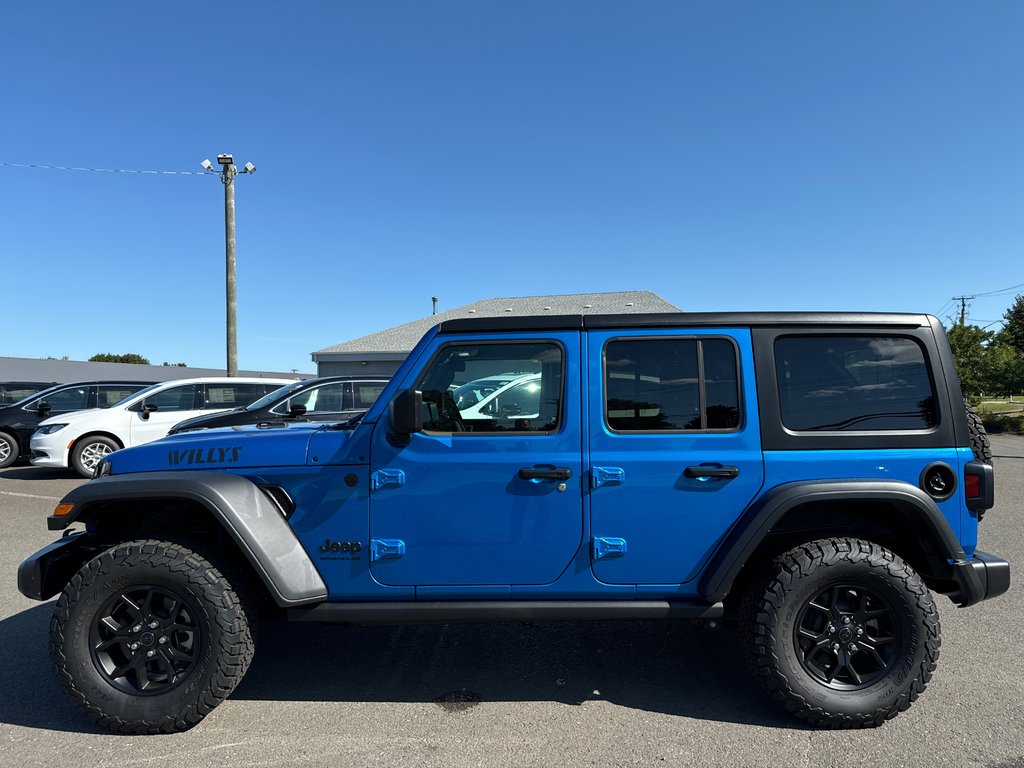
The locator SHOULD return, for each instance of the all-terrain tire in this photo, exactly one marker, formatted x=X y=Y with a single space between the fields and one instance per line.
x=149 y=637
x=858 y=598
x=979 y=437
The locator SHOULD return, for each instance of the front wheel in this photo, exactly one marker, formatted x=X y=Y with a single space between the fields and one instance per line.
x=8 y=450
x=90 y=451
x=843 y=632
x=149 y=637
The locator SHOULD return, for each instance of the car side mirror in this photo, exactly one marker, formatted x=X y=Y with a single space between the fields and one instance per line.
x=406 y=412
x=297 y=410
x=43 y=408
x=147 y=408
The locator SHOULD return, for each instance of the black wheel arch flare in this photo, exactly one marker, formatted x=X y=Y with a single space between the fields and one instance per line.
x=249 y=518
x=762 y=518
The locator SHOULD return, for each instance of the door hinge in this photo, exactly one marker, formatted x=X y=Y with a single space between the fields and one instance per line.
x=602 y=475
x=609 y=546
x=385 y=477
x=386 y=549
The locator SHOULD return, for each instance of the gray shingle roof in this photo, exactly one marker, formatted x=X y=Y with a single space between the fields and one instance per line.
x=403 y=338
x=66 y=371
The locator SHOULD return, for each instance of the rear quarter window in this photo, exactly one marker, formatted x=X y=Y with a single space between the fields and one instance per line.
x=854 y=383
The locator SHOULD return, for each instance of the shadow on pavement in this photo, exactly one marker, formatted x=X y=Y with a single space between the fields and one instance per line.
x=31 y=696
x=38 y=473
x=672 y=667
x=668 y=667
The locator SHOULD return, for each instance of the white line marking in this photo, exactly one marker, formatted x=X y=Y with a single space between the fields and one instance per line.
x=29 y=496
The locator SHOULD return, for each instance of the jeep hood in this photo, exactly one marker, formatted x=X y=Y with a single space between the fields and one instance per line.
x=225 y=449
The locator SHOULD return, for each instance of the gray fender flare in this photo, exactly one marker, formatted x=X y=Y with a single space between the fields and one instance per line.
x=760 y=518
x=246 y=514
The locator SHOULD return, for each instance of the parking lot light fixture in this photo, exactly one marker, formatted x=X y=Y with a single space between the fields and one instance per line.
x=227 y=176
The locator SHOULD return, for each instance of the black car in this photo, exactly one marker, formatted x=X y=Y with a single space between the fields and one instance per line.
x=19 y=421
x=12 y=392
x=329 y=398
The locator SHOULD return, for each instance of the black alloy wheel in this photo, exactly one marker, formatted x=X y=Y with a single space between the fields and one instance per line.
x=846 y=637
x=842 y=632
x=145 y=640
x=150 y=636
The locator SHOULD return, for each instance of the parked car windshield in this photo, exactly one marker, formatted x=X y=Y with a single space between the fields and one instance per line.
x=133 y=395
x=472 y=392
x=277 y=394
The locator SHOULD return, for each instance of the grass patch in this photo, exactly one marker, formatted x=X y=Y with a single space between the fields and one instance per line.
x=1001 y=406
x=997 y=423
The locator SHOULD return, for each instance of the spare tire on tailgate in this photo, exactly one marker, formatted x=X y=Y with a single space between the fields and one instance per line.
x=979 y=437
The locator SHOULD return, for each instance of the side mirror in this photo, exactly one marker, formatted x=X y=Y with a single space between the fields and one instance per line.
x=43 y=408
x=406 y=412
x=147 y=408
x=297 y=410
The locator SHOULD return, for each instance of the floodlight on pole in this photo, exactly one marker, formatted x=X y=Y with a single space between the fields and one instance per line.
x=227 y=176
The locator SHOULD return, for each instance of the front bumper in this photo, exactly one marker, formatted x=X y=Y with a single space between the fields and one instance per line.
x=983 y=577
x=49 y=450
x=48 y=571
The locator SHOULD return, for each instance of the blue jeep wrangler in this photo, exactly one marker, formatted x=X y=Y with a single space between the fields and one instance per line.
x=813 y=478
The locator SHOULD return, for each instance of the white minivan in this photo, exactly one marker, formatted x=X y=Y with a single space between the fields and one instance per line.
x=81 y=439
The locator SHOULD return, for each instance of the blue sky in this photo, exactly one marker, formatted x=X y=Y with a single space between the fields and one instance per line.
x=728 y=156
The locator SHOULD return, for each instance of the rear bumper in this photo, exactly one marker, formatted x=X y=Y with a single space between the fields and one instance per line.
x=983 y=577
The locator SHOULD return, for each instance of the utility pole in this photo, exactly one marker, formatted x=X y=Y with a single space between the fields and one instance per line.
x=963 y=307
x=227 y=177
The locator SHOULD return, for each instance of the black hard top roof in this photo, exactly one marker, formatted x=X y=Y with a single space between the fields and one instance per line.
x=683 y=320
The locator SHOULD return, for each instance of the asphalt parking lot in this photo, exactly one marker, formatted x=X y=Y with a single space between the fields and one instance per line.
x=566 y=694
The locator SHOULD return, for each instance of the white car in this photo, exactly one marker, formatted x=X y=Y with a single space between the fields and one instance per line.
x=82 y=438
x=514 y=398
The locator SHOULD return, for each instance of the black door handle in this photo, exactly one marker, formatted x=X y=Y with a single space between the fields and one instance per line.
x=712 y=472
x=555 y=473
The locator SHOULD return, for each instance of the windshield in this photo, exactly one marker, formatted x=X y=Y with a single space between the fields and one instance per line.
x=36 y=396
x=133 y=395
x=277 y=394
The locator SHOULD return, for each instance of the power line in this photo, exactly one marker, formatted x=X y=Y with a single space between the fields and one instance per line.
x=1002 y=291
x=101 y=170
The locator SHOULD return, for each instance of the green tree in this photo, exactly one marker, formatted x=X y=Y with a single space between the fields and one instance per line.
x=971 y=356
x=130 y=357
x=1013 y=325
x=1004 y=370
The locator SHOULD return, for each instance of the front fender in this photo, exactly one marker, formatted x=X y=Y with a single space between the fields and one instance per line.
x=251 y=520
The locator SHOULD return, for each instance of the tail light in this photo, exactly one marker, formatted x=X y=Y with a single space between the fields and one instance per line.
x=979 y=487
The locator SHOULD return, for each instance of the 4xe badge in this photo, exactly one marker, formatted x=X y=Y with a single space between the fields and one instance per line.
x=340 y=550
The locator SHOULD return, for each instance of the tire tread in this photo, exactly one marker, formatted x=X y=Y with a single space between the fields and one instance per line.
x=762 y=607
x=231 y=659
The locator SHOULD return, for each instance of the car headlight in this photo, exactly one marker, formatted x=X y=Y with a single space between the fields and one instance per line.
x=49 y=429
x=102 y=469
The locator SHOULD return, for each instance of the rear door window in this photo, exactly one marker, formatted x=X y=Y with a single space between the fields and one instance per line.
x=231 y=395
x=671 y=385
x=854 y=383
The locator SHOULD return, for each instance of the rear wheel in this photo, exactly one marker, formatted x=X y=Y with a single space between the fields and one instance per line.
x=90 y=451
x=843 y=633
x=149 y=637
x=8 y=450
